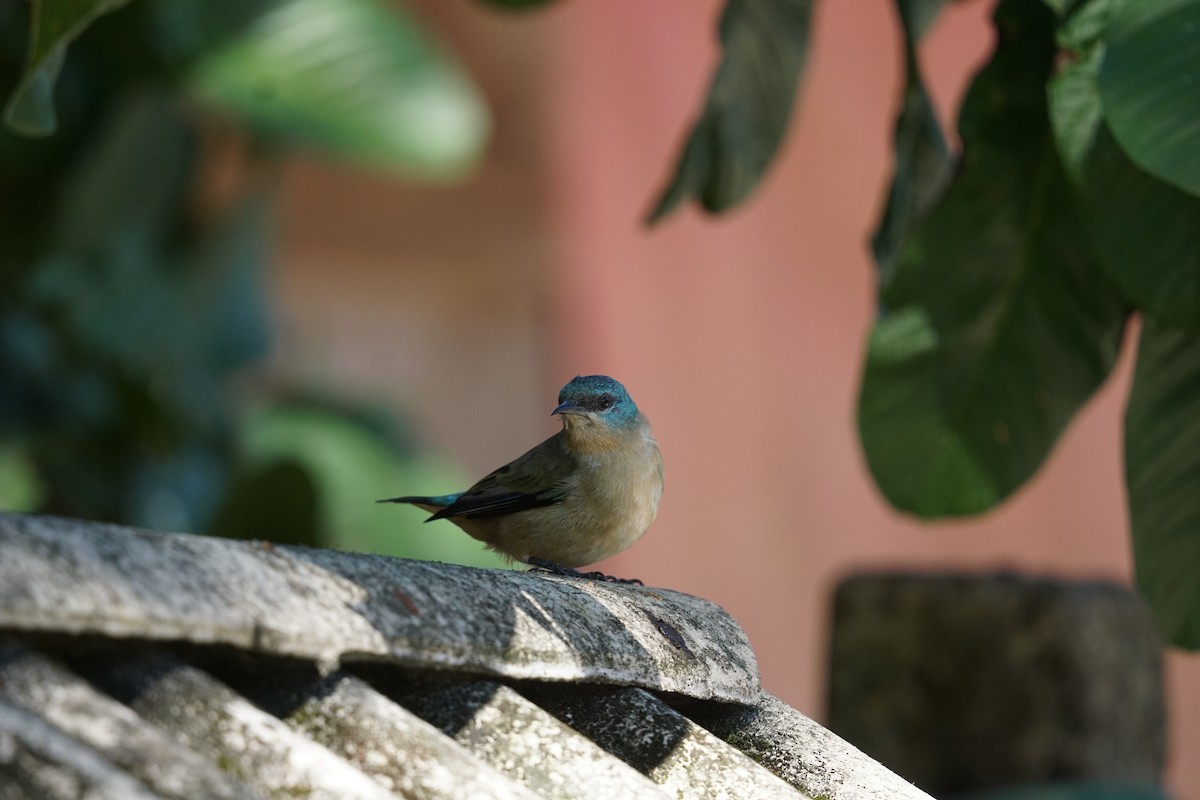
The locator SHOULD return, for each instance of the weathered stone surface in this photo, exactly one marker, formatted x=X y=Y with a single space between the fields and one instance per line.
x=674 y=752
x=67 y=702
x=801 y=752
x=71 y=577
x=970 y=682
x=526 y=743
x=383 y=739
x=40 y=762
x=206 y=716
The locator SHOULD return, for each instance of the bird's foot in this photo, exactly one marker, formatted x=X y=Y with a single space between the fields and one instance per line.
x=549 y=567
x=600 y=576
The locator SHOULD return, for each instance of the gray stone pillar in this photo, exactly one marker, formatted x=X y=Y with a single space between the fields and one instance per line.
x=962 y=683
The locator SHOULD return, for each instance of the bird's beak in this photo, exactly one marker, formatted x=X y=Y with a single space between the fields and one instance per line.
x=568 y=408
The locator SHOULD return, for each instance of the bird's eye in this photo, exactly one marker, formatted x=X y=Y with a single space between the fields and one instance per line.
x=606 y=401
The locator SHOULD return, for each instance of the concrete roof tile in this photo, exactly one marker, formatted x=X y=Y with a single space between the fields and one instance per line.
x=331 y=606
x=139 y=665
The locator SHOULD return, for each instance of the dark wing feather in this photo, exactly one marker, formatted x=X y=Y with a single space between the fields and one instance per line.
x=493 y=504
x=541 y=477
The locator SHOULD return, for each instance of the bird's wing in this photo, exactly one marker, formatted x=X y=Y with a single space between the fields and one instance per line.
x=541 y=477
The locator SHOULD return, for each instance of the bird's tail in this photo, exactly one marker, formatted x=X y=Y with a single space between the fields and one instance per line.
x=430 y=504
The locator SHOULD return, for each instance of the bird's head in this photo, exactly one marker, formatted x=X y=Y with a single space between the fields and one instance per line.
x=592 y=402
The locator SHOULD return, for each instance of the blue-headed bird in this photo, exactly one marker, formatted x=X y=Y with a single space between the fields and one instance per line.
x=586 y=493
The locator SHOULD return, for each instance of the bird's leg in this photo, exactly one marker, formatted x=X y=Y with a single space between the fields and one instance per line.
x=542 y=565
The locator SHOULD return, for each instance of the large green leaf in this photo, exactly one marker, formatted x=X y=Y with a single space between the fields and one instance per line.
x=1146 y=232
x=1073 y=99
x=356 y=78
x=923 y=160
x=764 y=46
x=997 y=322
x=1150 y=88
x=1162 y=470
x=53 y=24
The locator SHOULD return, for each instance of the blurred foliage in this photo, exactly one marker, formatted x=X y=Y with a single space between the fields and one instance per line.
x=132 y=298
x=957 y=409
x=20 y=489
x=1008 y=270
x=1148 y=86
x=764 y=44
x=1069 y=791
x=327 y=457
x=390 y=104
x=52 y=26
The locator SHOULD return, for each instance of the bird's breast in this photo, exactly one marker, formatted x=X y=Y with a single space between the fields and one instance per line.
x=622 y=488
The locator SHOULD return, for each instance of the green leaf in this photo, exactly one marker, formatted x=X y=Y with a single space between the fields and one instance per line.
x=1146 y=232
x=764 y=46
x=1149 y=87
x=919 y=458
x=1162 y=471
x=998 y=324
x=923 y=160
x=355 y=78
x=53 y=25
x=1073 y=99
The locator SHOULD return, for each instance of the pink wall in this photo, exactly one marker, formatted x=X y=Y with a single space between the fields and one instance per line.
x=741 y=336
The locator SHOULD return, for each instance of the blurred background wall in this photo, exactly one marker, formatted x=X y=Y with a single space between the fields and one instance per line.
x=741 y=336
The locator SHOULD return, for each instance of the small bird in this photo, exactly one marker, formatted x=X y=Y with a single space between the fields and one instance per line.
x=586 y=493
